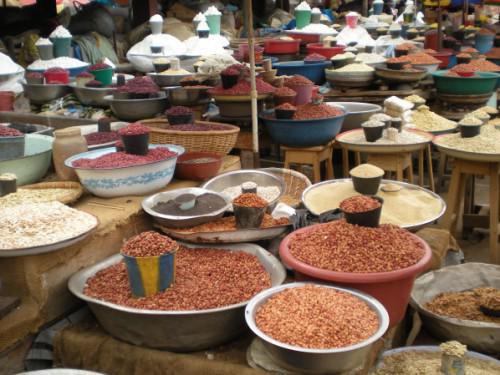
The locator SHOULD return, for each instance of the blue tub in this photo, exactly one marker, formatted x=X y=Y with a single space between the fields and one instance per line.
x=302 y=133
x=484 y=43
x=313 y=71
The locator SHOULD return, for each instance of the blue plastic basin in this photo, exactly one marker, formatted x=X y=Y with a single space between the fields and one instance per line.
x=313 y=71
x=302 y=133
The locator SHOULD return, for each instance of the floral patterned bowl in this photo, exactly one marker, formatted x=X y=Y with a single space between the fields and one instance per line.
x=135 y=180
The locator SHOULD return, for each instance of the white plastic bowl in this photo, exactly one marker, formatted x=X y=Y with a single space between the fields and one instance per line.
x=117 y=182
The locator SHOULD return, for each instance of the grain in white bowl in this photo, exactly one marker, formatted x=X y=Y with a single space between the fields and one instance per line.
x=39 y=224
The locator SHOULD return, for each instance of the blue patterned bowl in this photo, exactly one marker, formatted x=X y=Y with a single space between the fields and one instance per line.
x=117 y=182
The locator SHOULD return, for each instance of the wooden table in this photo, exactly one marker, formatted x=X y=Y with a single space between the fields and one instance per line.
x=390 y=157
x=473 y=164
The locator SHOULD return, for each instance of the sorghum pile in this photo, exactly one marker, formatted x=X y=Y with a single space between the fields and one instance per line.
x=316 y=111
x=134 y=129
x=6 y=131
x=250 y=200
x=122 y=159
x=228 y=223
x=316 y=317
x=204 y=279
x=342 y=247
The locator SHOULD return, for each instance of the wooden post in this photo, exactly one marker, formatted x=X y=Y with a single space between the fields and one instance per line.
x=253 y=93
x=440 y=25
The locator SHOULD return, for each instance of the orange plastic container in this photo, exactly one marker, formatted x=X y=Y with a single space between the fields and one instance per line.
x=392 y=289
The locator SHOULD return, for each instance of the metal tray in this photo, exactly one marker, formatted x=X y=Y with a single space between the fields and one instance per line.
x=182 y=221
x=46 y=248
x=412 y=227
x=466 y=155
x=383 y=148
x=235 y=236
x=482 y=336
x=179 y=331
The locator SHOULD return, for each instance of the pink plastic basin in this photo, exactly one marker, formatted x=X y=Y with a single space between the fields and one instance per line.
x=281 y=47
x=392 y=288
x=328 y=52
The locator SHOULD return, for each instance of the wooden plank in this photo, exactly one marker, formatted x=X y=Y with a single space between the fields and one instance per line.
x=57 y=122
x=7 y=304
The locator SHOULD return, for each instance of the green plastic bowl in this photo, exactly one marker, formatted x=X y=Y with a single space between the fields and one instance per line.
x=481 y=83
x=31 y=167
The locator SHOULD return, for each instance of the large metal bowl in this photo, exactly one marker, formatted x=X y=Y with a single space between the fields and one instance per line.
x=356 y=113
x=236 y=178
x=187 y=95
x=164 y=80
x=137 y=109
x=92 y=96
x=172 y=221
x=179 y=331
x=41 y=94
x=482 y=336
x=316 y=361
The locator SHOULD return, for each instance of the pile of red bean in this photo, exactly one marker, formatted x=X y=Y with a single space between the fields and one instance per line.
x=204 y=279
x=99 y=66
x=148 y=244
x=298 y=80
x=122 y=159
x=243 y=88
x=139 y=85
x=287 y=106
x=179 y=110
x=359 y=204
x=342 y=247
x=314 y=57
x=316 y=111
x=284 y=91
x=250 y=200
x=6 y=131
x=98 y=138
x=134 y=129
x=316 y=317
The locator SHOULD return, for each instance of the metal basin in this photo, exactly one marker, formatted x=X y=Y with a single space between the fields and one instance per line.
x=356 y=113
x=137 y=109
x=236 y=178
x=41 y=94
x=164 y=80
x=179 y=331
x=92 y=96
x=316 y=361
x=181 y=221
x=187 y=95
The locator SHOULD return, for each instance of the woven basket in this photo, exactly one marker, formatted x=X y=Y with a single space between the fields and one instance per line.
x=295 y=184
x=74 y=189
x=218 y=141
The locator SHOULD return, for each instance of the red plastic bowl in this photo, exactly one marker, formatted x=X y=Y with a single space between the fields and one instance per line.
x=281 y=47
x=465 y=74
x=392 y=289
x=198 y=171
x=444 y=57
x=328 y=52
x=305 y=38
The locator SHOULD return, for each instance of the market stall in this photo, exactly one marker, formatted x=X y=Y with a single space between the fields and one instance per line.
x=164 y=205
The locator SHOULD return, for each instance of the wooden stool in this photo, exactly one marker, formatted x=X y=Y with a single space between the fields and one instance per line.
x=394 y=163
x=311 y=156
x=461 y=170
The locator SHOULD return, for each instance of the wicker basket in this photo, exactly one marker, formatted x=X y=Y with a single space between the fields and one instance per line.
x=74 y=190
x=295 y=184
x=218 y=141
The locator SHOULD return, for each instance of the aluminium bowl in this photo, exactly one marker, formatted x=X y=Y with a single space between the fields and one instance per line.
x=31 y=167
x=137 y=109
x=316 y=361
x=92 y=96
x=165 y=80
x=179 y=95
x=40 y=94
x=134 y=180
x=236 y=178
x=356 y=113
x=482 y=336
x=178 y=331
x=173 y=221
